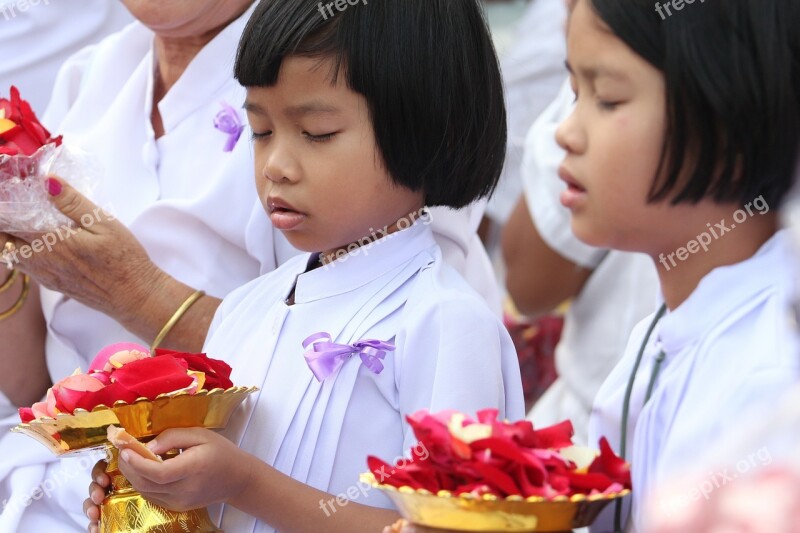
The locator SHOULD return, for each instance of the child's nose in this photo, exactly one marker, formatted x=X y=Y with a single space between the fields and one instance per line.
x=279 y=165
x=569 y=135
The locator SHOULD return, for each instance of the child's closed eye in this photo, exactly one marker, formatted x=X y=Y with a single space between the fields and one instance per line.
x=319 y=138
x=258 y=136
x=607 y=105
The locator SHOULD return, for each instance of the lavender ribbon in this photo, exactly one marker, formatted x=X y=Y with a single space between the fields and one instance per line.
x=326 y=357
x=227 y=121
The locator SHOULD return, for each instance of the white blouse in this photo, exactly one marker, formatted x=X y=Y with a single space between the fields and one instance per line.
x=451 y=353
x=730 y=348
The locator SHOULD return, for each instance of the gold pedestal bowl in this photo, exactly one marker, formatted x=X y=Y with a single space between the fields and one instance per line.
x=124 y=509
x=466 y=512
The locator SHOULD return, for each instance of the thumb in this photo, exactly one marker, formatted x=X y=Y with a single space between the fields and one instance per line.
x=178 y=439
x=73 y=204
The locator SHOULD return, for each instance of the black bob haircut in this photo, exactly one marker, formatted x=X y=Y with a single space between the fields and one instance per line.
x=427 y=69
x=732 y=91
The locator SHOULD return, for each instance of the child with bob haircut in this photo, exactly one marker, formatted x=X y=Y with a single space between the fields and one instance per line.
x=686 y=131
x=359 y=122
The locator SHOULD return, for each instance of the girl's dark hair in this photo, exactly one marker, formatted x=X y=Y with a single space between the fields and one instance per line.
x=732 y=89
x=427 y=69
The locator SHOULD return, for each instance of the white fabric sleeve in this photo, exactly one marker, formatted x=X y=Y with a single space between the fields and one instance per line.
x=543 y=188
x=7 y=409
x=455 y=231
x=456 y=355
x=66 y=88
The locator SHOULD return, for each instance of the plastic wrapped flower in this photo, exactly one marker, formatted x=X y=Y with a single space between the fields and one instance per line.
x=126 y=372
x=487 y=456
x=29 y=154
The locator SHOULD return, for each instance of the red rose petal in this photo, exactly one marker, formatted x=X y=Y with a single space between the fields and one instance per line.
x=611 y=465
x=26 y=415
x=107 y=396
x=217 y=372
x=153 y=376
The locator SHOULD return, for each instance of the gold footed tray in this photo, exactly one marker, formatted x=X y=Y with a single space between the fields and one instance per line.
x=124 y=510
x=491 y=514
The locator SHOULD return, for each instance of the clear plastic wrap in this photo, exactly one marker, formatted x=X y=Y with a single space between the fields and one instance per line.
x=25 y=206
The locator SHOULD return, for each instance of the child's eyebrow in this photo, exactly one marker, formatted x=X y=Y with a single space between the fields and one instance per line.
x=252 y=107
x=592 y=73
x=314 y=107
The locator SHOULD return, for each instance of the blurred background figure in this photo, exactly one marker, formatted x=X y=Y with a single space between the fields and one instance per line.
x=529 y=36
x=44 y=33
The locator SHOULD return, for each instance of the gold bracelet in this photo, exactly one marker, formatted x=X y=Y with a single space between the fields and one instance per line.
x=9 y=281
x=174 y=320
x=26 y=287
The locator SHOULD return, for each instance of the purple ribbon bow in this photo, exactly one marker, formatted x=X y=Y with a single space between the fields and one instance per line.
x=227 y=121
x=325 y=357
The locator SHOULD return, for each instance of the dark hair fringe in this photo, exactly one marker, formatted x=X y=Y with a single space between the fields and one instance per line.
x=427 y=69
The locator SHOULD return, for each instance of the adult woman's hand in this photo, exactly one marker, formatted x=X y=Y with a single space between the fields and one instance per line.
x=101 y=264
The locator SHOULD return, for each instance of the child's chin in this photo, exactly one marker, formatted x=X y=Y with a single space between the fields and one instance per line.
x=587 y=233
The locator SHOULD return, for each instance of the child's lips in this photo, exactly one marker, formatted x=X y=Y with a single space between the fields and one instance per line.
x=282 y=215
x=575 y=192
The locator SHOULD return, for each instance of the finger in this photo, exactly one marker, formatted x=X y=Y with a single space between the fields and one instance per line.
x=10 y=251
x=99 y=474
x=151 y=475
x=91 y=511
x=73 y=204
x=179 y=439
x=97 y=493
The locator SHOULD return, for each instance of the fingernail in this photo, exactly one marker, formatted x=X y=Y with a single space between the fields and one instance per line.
x=125 y=455
x=53 y=187
x=151 y=445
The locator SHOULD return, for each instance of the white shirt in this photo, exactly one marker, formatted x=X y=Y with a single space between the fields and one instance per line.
x=38 y=36
x=451 y=353
x=730 y=347
x=533 y=70
x=621 y=290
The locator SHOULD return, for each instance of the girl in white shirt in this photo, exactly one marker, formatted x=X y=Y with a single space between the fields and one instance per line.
x=682 y=145
x=359 y=120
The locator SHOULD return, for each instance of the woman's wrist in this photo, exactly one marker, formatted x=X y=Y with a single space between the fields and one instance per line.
x=11 y=299
x=150 y=302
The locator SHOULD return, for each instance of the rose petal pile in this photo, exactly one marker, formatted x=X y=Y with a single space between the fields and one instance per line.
x=21 y=133
x=488 y=456
x=127 y=372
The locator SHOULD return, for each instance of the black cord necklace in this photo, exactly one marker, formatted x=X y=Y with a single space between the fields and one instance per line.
x=626 y=404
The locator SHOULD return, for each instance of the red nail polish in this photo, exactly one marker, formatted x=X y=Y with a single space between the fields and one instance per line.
x=53 y=187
